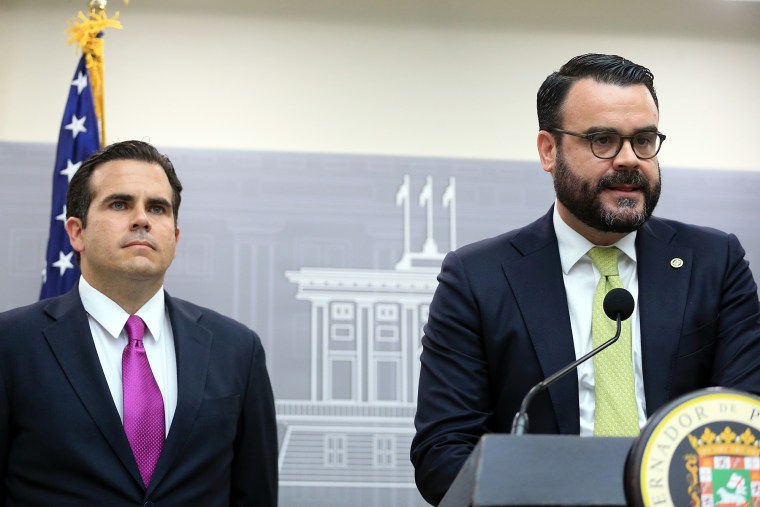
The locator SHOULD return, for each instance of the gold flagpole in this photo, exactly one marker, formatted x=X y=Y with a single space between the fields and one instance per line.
x=87 y=33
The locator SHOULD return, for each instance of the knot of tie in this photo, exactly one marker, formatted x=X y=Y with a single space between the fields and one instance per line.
x=135 y=328
x=605 y=260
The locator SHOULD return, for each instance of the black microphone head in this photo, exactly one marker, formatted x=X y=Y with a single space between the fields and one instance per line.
x=618 y=301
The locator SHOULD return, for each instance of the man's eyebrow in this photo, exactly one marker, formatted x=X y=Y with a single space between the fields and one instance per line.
x=600 y=128
x=118 y=197
x=603 y=128
x=648 y=128
x=159 y=201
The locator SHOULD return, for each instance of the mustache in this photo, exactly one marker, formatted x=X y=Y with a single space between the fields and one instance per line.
x=634 y=178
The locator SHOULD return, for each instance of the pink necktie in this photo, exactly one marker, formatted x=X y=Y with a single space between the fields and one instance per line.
x=143 y=404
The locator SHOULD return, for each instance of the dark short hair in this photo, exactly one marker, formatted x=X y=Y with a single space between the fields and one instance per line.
x=610 y=69
x=80 y=194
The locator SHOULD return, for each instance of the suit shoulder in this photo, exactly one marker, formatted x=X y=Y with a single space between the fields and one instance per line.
x=688 y=234
x=512 y=244
x=24 y=316
x=23 y=327
x=22 y=312
x=211 y=319
x=487 y=244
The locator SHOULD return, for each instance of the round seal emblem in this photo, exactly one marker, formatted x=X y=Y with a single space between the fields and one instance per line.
x=701 y=450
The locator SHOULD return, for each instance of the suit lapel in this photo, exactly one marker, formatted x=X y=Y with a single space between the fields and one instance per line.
x=540 y=292
x=662 y=298
x=70 y=339
x=192 y=344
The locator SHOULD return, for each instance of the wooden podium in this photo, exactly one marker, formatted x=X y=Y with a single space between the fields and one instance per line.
x=532 y=470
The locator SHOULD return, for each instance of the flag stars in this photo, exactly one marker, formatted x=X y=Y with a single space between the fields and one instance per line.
x=80 y=82
x=62 y=216
x=79 y=118
x=77 y=125
x=64 y=262
x=71 y=168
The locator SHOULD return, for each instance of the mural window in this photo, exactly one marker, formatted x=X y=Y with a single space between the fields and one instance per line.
x=342 y=332
x=383 y=451
x=386 y=312
x=334 y=446
x=342 y=311
x=386 y=333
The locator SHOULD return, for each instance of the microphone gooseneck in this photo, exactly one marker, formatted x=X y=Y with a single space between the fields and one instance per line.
x=618 y=306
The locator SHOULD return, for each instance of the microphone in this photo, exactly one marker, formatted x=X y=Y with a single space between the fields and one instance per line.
x=618 y=305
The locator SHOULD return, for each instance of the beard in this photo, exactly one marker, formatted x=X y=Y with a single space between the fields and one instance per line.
x=584 y=201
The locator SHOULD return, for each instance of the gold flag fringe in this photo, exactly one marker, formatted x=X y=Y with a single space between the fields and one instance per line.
x=84 y=33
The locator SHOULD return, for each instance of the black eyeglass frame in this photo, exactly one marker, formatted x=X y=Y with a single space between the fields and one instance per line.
x=590 y=138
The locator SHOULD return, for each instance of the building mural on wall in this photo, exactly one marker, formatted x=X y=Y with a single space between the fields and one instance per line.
x=356 y=427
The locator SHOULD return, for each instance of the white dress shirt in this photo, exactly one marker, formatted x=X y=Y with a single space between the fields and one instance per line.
x=107 y=321
x=581 y=277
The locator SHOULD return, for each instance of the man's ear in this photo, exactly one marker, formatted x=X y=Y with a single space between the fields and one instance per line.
x=176 y=240
x=547 y=150
x=74 y=229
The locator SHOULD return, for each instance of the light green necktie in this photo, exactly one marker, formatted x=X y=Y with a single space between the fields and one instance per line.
x=616 y=414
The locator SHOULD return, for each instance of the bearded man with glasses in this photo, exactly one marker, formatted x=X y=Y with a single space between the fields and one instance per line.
x=512 y=310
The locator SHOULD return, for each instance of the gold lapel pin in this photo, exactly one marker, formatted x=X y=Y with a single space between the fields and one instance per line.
x=676 y=262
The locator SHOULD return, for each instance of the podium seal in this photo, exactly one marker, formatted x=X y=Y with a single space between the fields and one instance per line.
x=700 y=450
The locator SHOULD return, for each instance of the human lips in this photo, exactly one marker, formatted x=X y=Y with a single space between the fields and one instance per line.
x=624 y=181
x=139 y=243
x=624 y=184
x=624 y=188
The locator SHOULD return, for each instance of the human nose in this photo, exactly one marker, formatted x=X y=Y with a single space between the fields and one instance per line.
x=626 y=157
x=140 y=220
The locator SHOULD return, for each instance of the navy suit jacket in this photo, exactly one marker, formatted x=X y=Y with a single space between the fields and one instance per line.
x=61 y=439
x=499 y=324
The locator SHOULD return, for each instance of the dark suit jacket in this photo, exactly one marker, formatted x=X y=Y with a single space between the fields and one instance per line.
x=499 y=324
x=62 y=442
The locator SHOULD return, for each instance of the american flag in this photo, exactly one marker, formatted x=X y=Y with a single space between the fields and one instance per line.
x=79 y=137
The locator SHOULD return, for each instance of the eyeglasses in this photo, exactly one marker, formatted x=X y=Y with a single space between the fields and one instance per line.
x=607 y=145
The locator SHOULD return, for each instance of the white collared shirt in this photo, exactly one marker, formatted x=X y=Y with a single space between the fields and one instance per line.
x=581 y=277
x=107 y=320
